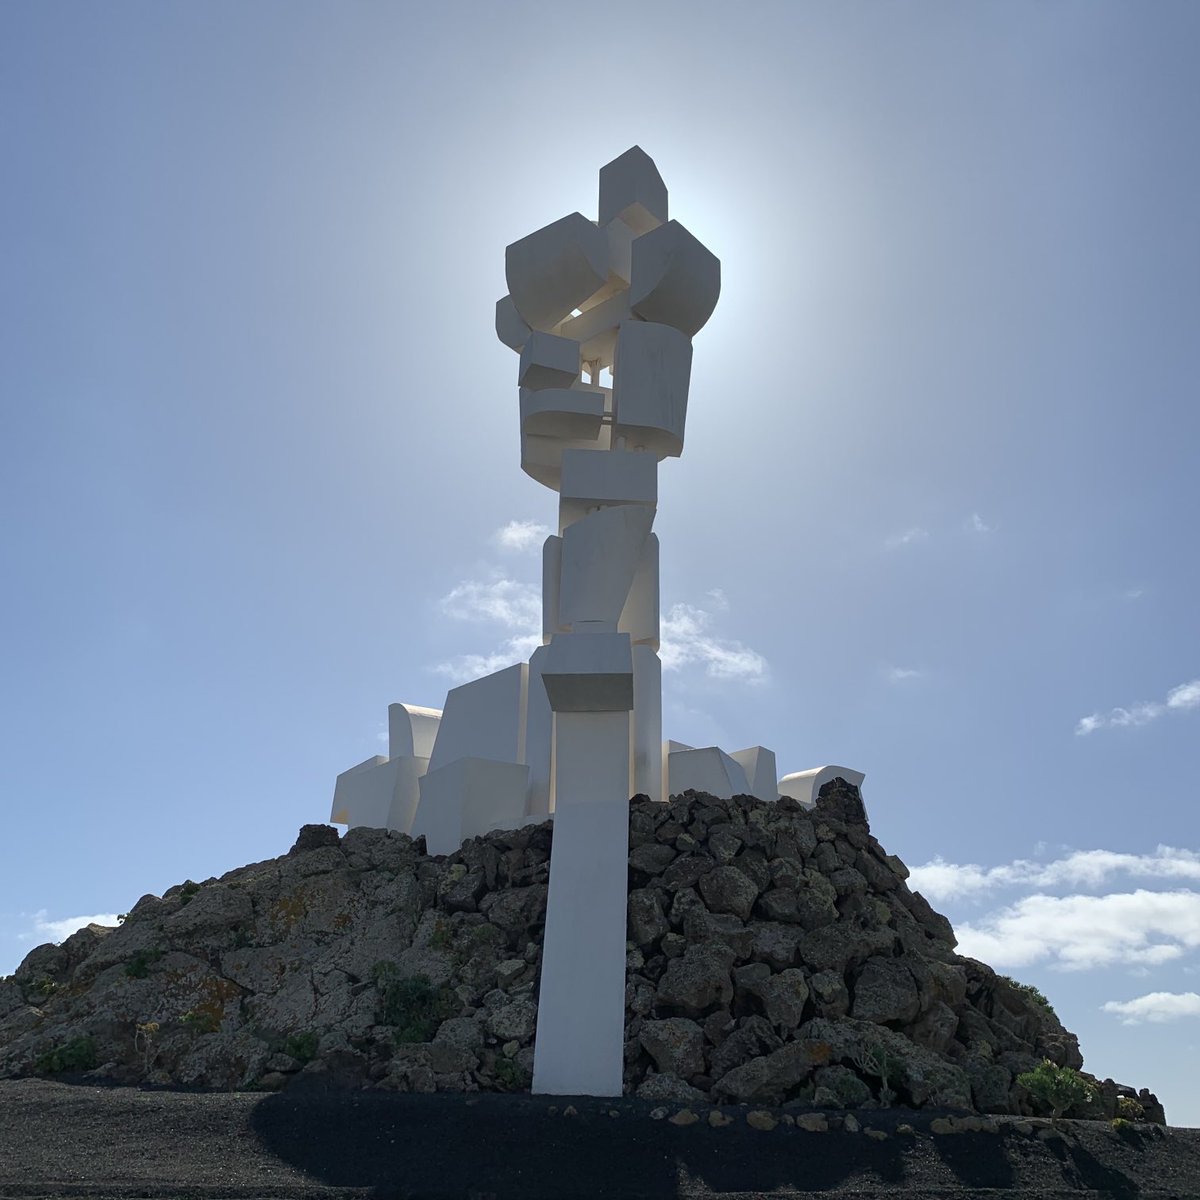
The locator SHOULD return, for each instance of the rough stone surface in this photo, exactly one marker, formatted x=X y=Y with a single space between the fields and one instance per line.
x=775 y=956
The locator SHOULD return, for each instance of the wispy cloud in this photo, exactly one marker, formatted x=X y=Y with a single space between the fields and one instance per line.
x=908 y=538
x=1179 y=699
x=521 y=536
x=688 y=638
x=1156 y=1007
x=1076 y=933
x=939 y=880
x=465 y=667
x=976 y=524
x=508 y=602
x=46 y=929
x=899 y=674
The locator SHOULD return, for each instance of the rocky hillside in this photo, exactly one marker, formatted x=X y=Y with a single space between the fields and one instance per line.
x=775 y=956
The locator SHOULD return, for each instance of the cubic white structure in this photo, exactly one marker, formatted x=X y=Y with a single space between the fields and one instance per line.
x=577 y=730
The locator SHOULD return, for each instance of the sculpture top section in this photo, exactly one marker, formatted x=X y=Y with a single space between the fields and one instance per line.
x=623 y=294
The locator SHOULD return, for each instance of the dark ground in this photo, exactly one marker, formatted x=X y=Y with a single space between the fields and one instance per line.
x=62 y=1140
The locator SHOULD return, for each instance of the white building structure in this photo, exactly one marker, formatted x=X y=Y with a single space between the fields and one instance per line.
x=577 y=730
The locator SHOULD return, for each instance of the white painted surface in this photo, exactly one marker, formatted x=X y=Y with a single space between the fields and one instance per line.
x=640 y=616
x=632 y=190
x=707 y=769
x=412 y=730
x=539 y=740
x=406 y=793
x=647 y=723
x=589 y=672
x=484 y=719
x=362 y=794
x=548 y=361
x=572 y=413
x=556 y=269
x=675 y=279
x=650 y=387
x=761 y=772
x=591 y=479
x=510 y=327
x=805 y=786
x=579 y=1047
x=601 y=553
x=469 y=797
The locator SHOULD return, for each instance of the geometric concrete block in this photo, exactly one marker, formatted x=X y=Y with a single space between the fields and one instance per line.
x=708 y=769
x=562 y=412
x=542 y=457
x=555 y=270
x=551 y=578
x=484 y=719
x=675 y=279
x=593 y=478
x=589 y=672
x=548 y=362
x=632 y=190
x=467 y=798
x=595 y=329
x=539 y=740
x=600 y=556
x=412 y=730
x=362 y=795
x=805 y=786
x=650 y=387
x=761 y=772
x=647 y=768
x=406 y=793
x=640 y=616
x=510 y=328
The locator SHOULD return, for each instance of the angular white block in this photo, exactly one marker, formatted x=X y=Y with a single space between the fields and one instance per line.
x=575 y=413
x=620 y=253
x=539 y=740
x=510 y=328
x=467 y=798
x=484 y=719
x=548 y=361
x=551 y=577
x=805 y=786
x=589 y=672
x=541 y=457
x=651 y=374
x=363 y=794
x=640 y=616
x=761 y=772
x=556 y=269
x=406 y=793
x=592 y=478
x=581 y=1006
x=412 y=730
x=647 y=724
x=600 y=556
x=708 y=769
x=675 y=280
x=596 y=329
x=632 y=190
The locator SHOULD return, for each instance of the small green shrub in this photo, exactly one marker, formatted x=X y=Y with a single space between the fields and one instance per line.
x=138 y=967
x=45 y=987
x=1056 y=1088
x=186 y=892
x=1032 y=993
x=415 y=1007
x=302 y=1046
x=511 y=1076
x=79 y=1054
x=201 y=1022
x=1130 y=1109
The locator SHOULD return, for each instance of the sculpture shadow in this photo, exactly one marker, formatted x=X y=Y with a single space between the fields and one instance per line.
x=495 y=1146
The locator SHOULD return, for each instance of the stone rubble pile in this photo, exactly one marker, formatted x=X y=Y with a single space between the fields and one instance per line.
x=776 y=956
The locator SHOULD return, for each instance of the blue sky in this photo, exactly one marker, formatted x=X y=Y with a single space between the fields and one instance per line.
x=936 y=517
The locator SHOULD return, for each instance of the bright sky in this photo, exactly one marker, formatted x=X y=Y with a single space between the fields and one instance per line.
x=936 y=517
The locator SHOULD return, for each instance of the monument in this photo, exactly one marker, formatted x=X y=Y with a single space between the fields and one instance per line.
x=602 y=315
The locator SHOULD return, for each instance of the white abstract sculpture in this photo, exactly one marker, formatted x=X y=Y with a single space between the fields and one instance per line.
x=577 y=730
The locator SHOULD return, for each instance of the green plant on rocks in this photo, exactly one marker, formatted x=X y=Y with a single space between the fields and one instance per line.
x=511 y=1076
x=186 y=892
x=79 y=1054
x=201 y=1022
x=875 y=1060
x=1056 y=1088
x=414 y=1006
x=138 y=967
x=1032 y=993
x=301 y=1046
x=1130 y=1109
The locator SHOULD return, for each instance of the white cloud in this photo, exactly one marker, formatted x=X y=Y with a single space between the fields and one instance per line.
x=939 y=880
x=1179 y=699
x=1078 y=933
x=47 y=930
x=907 y=538
x=688 y=639
x=1156 y=1007
x=899 y=674
x=465 y=667
x=508 y=602
x=521 y=536
x=977 y=524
